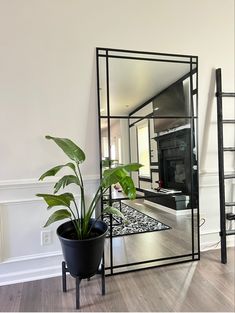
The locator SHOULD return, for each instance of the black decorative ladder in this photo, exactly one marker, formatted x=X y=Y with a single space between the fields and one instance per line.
x=222 y=177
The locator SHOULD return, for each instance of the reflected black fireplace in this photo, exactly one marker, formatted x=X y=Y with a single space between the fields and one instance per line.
x=174 y=160
x=175 y=174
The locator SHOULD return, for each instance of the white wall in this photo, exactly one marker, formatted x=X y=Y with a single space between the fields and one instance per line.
x=48 y=86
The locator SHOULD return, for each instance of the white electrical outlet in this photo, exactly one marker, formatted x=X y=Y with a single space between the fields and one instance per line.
x=46 y=237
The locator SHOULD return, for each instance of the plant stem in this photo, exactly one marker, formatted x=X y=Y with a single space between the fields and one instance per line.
x=78 y=219
x=94 y=203
x=74 y=223
x=83 y=209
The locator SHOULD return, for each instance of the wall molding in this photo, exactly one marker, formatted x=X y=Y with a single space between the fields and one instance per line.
x=1 y=236
x=24 y=190
x=210 y=178
x=169 y=210
x=27 y=200
x=211 y=240
x=37 y=256
x=30 y=182
x=29 y=268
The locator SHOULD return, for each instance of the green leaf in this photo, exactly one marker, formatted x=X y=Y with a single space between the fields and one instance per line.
x=115 y=175
x=70 y=148
x=113 y=211
x=65 y=181
x=57 y=216
x=57 y=200
x=128 y=187
x=132 y=167
x=53 y=171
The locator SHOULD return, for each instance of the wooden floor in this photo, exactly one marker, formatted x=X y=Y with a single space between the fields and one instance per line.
x=202 y=286
x=173 y=242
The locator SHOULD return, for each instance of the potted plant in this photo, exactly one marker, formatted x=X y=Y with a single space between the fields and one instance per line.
x=82 y=237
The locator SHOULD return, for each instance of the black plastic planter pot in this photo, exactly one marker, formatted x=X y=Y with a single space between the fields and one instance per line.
x=82 y=257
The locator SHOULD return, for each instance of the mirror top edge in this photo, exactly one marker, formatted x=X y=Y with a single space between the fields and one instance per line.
x=103 y=51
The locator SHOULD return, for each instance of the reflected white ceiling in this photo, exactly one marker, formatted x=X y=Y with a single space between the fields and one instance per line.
x=133 y=82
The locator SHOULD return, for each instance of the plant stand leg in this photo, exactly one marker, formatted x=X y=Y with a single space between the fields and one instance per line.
x=64 y=270
x=78 y=281
x=103 y=279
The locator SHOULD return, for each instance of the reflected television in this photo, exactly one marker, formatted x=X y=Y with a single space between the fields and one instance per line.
x=172 y=102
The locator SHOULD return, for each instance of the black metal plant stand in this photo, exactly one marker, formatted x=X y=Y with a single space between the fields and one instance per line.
x=78 y=281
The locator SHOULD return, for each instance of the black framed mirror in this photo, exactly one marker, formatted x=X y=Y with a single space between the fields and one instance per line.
x=148 y=114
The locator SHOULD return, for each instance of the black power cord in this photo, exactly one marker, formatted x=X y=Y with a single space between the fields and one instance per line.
x=203 y=222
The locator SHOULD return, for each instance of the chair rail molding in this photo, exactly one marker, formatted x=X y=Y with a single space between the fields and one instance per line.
x=25 y=189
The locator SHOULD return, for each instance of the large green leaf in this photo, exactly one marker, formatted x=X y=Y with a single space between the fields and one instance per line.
x=115 y=175
x=132 y=167
x=128 y=187
x=57 y=200
x=112 y=176
x=53 y=171
x=65 y=181
x=57 y=216
x=70 y=148
x=113 y=211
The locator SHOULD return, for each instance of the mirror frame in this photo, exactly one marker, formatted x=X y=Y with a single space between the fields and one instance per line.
x=108 y=54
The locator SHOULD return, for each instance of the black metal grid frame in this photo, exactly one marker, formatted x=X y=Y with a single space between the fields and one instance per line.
x=107 y=53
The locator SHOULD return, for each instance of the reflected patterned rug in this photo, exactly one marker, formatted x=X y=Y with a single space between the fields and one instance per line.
x=135 y=222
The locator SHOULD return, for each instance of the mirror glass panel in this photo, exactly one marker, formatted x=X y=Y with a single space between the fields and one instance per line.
x=148 y=114
x=133 y=82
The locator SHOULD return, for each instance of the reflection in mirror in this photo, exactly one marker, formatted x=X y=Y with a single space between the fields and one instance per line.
x=148 y=114
x=119 y=141
x=143 y=81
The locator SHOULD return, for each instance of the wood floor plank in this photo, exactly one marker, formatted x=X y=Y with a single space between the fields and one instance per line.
x=31 y=298
x=10 y=298
x=51 y=287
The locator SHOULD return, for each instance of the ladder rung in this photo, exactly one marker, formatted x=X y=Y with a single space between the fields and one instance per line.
x=230 y=216
x=231 y=149
x=229 y=176
x=229 y=203
x=230 y=232
x=228 y=94
x=228 y=121
x=225 y=94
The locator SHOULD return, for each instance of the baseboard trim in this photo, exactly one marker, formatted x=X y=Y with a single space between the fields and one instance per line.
x=168 y=210
x=29 y=268
x=211 y=241
x=21 y=277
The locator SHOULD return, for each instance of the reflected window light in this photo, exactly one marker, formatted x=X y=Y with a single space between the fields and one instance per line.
x=113 y=152
x=105 y=147
x=119 y=150
x=143 y=149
